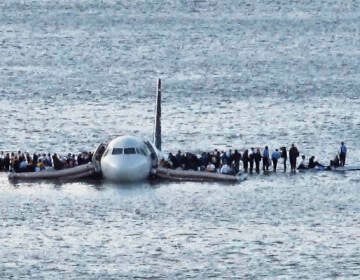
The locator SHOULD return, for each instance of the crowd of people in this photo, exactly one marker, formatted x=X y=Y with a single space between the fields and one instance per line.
x=25 y=162
x=230 y=162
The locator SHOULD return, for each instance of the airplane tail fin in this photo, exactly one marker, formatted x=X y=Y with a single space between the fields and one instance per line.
x=157 y=132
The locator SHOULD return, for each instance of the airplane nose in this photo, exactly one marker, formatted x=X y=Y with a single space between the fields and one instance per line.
x=127 y=170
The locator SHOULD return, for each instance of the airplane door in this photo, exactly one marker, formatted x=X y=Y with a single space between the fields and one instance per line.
x=153 y=155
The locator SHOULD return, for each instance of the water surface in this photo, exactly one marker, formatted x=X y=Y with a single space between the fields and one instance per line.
x=235 y=74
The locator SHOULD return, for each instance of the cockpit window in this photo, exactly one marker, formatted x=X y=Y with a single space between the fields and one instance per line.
x=117 y=151
x=128 y=151
x=143 y=152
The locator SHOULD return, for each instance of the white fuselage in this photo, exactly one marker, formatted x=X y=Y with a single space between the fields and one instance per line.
x=126 y=159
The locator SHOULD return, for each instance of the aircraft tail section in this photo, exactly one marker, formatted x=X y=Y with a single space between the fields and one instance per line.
x=157 y=132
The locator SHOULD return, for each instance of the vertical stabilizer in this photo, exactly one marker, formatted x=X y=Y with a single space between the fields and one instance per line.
x=157 y=132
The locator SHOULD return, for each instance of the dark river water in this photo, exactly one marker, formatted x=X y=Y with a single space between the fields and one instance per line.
x=235 y=74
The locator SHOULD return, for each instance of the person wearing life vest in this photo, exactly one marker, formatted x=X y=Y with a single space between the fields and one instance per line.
x=343 y=151
x=275 y=157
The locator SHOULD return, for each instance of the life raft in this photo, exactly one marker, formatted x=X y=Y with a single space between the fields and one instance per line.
x=76 y=172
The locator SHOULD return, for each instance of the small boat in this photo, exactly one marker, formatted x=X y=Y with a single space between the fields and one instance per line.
x=76 y=172
x=196 y=176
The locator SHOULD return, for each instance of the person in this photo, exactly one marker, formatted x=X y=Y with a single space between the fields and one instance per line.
x=293 y=155
x=284 y=156
x=236 y=160
x=210 y=167
x=302 y=164
x=335 y=162
x=48 y=160
x=7 y=162
x=192 y=161
x=313 y=163
x=172 y=161
x=178 y=159
x=40 y=165
x=164 y=163
x=251 y=160
x=229 y=157
x=58 y=164
x=23 y=165
x=266 y=159
x=203 y=160
x=226 y=169
x=245 y=159
x=343 y=151
x=2 y=158
x=35 y=158
x=275 y=157
x=257 y=159
x=14 y=163
x=223 y=158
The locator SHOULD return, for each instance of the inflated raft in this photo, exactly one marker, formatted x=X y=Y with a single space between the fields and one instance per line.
x=76 y=172
x=196 y=176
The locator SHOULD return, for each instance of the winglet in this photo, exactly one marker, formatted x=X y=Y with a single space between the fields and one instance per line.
x=157 y=132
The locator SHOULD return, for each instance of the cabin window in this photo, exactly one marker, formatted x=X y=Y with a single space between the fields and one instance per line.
x=117 y=151
x=128 y=151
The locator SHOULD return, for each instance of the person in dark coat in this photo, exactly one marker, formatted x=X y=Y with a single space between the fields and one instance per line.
x=257 y=159
x=236 y=157
x=284 y=156
x=335 y=162
x=251 y=159
x=266 y=159
x=2 y=156
x=7 y=162
x=313 y=163
x=172 y=161
x=58 y=164
x=293 y=155
x=245 y=159
x=343 y=151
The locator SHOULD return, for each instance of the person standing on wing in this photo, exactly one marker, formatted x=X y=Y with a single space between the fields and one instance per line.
x=293 y=154
x=275 y=157
x=257 y=159
x=266 y=159
x=245 y=159
x=343 y=151
x=284 y=156
x=251 y=160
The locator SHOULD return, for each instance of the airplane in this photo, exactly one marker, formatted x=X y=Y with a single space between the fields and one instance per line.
x=129 y=158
